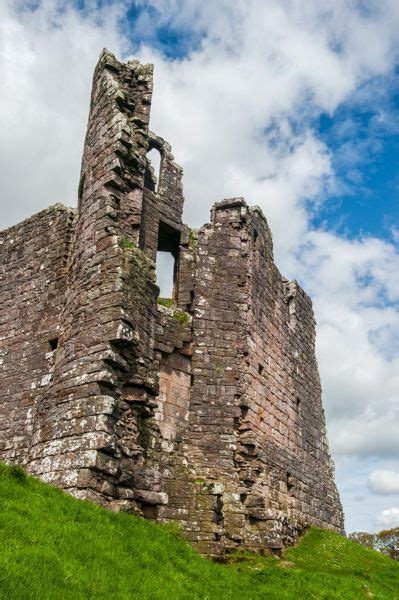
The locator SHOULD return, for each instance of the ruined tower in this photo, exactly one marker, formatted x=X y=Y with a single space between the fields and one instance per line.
x=204 y=409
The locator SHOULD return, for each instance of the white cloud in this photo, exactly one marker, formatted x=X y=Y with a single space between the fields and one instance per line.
x=238 y=111
x=355 y=294
x=46 y=59
x=383 y=482
x=389 y=518
x=283 y=68
x=395 y=233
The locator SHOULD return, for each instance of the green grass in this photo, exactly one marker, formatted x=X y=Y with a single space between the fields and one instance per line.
x=53 y=546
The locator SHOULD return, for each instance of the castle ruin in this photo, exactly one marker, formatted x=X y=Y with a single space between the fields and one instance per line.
x=206 y=409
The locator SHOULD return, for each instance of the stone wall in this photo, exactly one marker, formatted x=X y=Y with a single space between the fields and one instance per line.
x=33 y=259
x=204 y=409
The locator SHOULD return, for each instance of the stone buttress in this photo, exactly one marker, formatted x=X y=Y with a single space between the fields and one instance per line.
x=204 y=409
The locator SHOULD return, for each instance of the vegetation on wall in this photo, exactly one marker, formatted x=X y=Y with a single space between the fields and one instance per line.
x=127 y=244
x=178 y=314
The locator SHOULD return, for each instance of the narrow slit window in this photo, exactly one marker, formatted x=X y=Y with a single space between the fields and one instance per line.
x=256 y=238
x=167 y=260
x=165 y=273
x=53 y=343
x=153 y=170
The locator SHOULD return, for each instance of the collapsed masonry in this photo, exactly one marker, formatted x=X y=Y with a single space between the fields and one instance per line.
x=208 y=411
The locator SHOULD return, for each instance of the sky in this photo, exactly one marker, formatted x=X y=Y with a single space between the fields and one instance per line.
x=292 y=104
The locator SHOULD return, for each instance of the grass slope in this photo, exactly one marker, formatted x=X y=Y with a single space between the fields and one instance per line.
x=54 y=546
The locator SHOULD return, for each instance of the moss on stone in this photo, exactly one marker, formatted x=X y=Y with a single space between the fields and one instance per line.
x=192 y=239
x=168 y=302
x=127 y=244
x=181 y=316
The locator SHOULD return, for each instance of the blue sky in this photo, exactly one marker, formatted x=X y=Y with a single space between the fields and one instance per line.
x=293 y=104
x=173 y=42
x=365 y=152
x=364 y=145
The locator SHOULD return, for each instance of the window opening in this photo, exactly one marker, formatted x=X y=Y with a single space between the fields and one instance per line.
x=167 y=260
x=53 y=343
x=153 y=170
x=165 y=274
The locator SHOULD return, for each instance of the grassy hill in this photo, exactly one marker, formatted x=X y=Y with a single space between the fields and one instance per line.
x=53 y=546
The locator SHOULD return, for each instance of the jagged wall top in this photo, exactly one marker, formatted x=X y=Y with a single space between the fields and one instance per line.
x=207 y=412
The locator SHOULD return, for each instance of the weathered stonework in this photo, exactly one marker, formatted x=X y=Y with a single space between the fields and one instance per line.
x=207 y=412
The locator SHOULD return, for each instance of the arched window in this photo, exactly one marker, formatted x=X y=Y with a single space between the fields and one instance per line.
x=153 y=170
